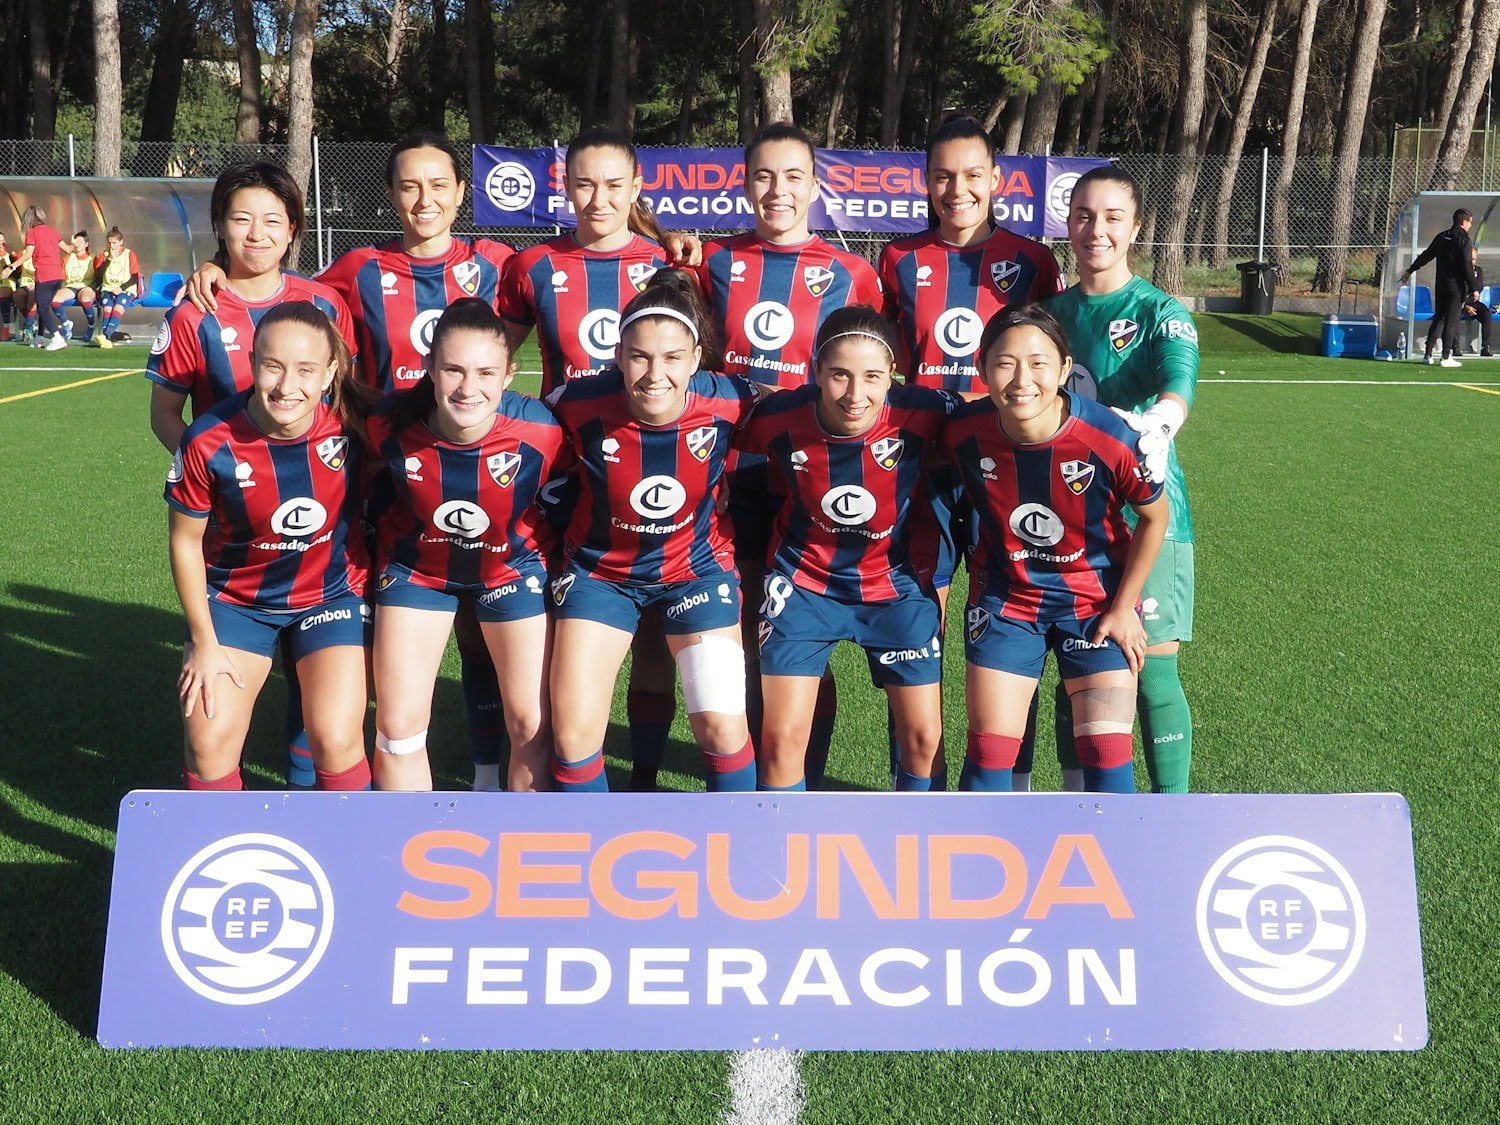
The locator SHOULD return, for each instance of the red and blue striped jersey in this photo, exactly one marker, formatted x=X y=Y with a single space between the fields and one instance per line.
x=942 y=296
x=646 y=511
x=283 y=531
x=845 y=527
x=1052 y=530
x=396 y=300
x=770 y=301
x=207 y=355
x=574 y=296
x=457 y=516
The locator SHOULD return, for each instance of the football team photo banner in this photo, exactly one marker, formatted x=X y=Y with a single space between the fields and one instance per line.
x=813 y=921
x=704 y=189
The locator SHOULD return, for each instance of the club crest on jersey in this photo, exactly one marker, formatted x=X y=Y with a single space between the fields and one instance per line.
x=639 y=273
x=1077 y=475
x=764 y=629
x=1004 y=274
x=332 y=451
x=387 y=580
x=503 y=466
x=977 y=622
x=1122 y=334
x=701 y=442
x=817 y=279
x=887 y=451
x=467 y=276
x=560 y=586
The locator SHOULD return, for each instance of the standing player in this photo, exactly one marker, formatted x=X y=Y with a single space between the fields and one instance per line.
x=848 y=454
x=119 y=273
x=651 y=436
x=265 y=546
x=205 y=358
x=42 y=257
x=771 y=290
x=1136 y=349
x=460 y=463
x=571 y=289
x=1055 y=566
x=942 y=287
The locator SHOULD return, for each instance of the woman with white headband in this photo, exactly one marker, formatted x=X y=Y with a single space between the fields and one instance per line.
x=651 y=435
x=848 y=453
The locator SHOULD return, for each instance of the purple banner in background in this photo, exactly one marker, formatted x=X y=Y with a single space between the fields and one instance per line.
x=703 y=189
x=820 y=921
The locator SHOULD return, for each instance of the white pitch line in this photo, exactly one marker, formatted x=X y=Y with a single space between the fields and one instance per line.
x=765 y=1088
x=5 y=369
x=1351 y=382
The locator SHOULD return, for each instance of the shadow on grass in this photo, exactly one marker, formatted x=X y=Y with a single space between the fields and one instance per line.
x=1272 y=333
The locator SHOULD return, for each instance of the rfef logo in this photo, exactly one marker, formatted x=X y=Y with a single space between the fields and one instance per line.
x=247 y=919
x=510 y=186
x=1280 y=920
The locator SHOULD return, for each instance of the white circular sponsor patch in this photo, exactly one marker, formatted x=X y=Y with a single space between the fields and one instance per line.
x=461 y=518
x=957 y=332
x=769 y=325
x=299 y=517
x=163 y=339
x=658 y=497
x=421 y=330
x=1037 y=524
x=849 y=504
x=247 y=919
x=599 y=332
x=1280 y=920
x=174 y=474
x=510 y=186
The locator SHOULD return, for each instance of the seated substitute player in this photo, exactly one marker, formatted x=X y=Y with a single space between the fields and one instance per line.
x=849 y=454
x=119 y=274
x=942 y=286
x=266 y=544
x=1056 y=566
x=78 y=285
x=771 y=290
x=459 y=462
x=651 y=436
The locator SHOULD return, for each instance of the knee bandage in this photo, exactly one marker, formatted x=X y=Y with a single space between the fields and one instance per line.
x=713 y=676
x=400 y=747
x=1103 y=710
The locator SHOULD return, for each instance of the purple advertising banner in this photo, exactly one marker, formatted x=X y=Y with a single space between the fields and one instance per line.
x=703 y=189
x=817 y=921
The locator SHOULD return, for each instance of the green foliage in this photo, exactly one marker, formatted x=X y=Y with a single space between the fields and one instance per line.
x=1028 y=40
x=801 y=32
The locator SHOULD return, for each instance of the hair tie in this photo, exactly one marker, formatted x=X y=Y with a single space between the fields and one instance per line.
x=660 y=310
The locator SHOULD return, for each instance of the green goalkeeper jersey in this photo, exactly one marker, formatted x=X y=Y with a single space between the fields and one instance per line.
x=1129 y=347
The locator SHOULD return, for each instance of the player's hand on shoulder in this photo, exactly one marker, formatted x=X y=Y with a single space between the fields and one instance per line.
x=205 y=281
x=685 y=250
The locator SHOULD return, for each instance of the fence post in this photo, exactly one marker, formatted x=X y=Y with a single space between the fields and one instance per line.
x=72 y=164
x=318 y=199
x=1265 y=165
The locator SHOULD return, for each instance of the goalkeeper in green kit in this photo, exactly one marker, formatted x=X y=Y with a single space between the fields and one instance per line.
x=1135 y=349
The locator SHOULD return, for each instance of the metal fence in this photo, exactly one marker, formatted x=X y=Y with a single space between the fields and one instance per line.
x=347 y=203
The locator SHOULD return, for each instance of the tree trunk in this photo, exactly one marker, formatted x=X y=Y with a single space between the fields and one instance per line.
x=43 y=104
x=247 y=49
x=997 y=107
x=746 y=104
x=942 y=49
x=1070 y=124
x=695 y=70
x=1280 y=222
x=1244 y=105
x=588 y=101
x=299 y=125
x=438 y=65
x=1101 y=84
x=1477 y=68
x=1014 y=119
x=775 y=75
x=1041 y=118
x=107 y=90
x=840 y=92
x=1333 y=259
x=1167 y=273
x=616 y=106
x=173 y=38
x=1458 y=52
x=479 y=70
x=901 y=24
x=394 y=41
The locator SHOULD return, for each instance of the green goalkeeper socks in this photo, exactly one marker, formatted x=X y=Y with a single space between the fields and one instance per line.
x=1166 y=725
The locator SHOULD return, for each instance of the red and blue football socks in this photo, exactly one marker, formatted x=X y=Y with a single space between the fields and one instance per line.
x=988 y=762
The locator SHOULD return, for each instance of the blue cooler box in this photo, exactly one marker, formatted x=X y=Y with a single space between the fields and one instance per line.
x=1350 y=337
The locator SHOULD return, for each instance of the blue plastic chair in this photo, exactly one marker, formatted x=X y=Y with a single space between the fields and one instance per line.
x=162 y=292
x=1424 y=302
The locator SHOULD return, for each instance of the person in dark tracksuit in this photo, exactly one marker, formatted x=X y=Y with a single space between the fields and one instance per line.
x=1455 y=284
x=1474 y=306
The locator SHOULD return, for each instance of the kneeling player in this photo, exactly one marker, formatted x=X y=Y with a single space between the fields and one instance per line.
x=849 y=453
x=265 y=544
x=651 y=435
x=461 y=460
x=1056 y=566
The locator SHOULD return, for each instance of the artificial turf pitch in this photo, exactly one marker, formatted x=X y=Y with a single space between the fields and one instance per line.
x=1345 y=642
